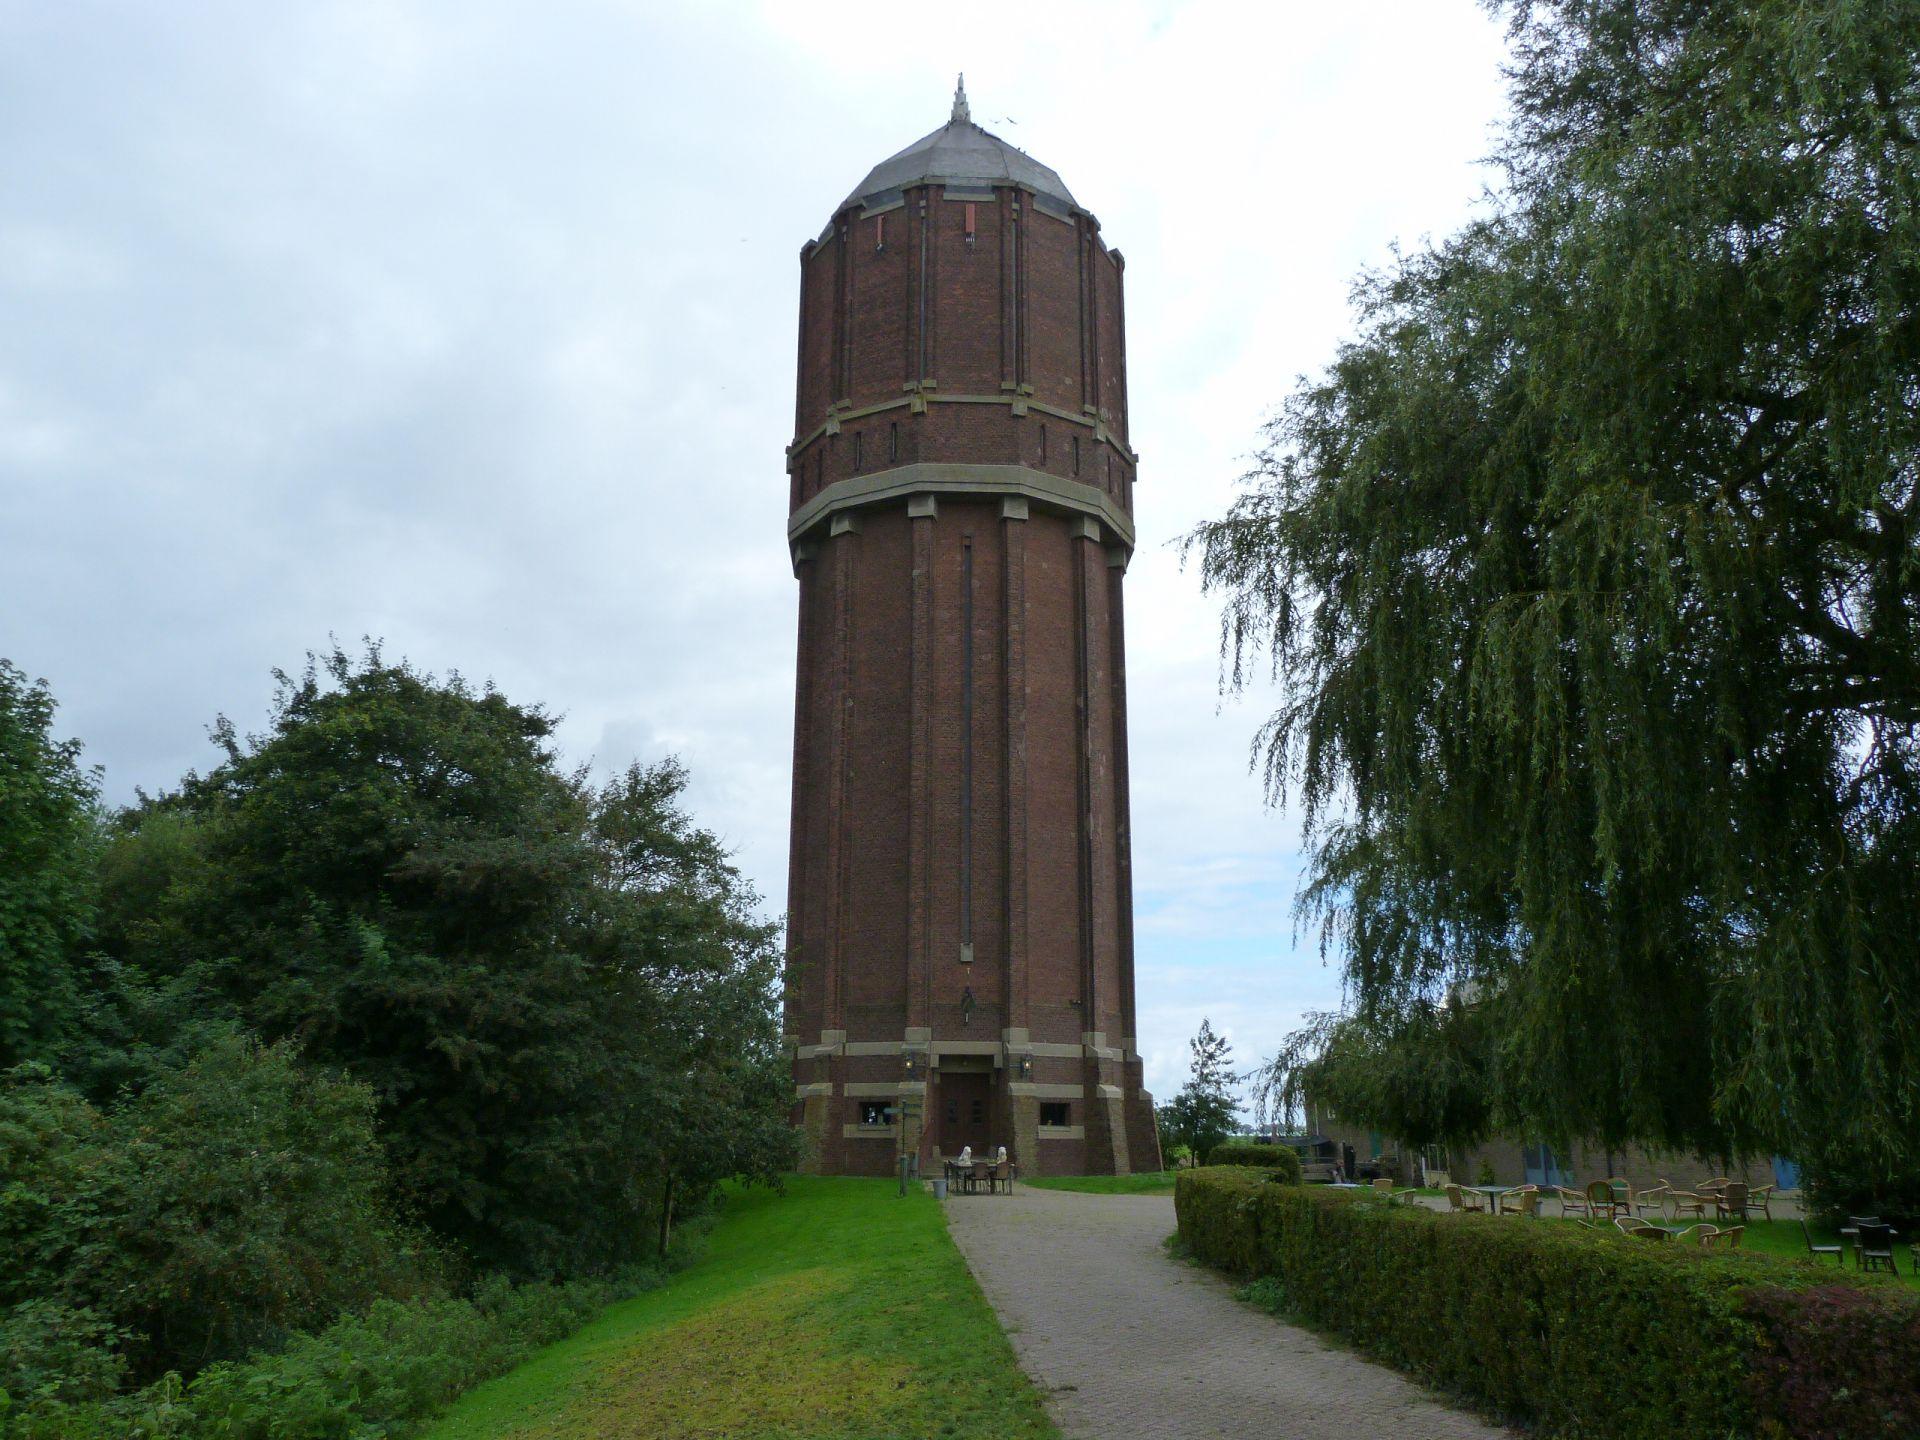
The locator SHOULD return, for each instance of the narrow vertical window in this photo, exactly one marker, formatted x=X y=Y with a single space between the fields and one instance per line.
x=858 y=448
x=966 y=748
x=1043 y=444
x=970 y=220
x=893 y=441
x=879 y=233
x=1076 y=454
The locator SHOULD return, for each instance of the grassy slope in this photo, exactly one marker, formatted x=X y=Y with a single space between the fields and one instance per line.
x=1152 y=1182
x=837 y=1311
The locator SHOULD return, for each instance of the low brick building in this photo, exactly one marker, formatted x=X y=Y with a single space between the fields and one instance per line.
x=960 y=946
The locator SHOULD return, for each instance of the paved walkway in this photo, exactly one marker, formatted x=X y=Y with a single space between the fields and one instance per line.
x=1126 y=1341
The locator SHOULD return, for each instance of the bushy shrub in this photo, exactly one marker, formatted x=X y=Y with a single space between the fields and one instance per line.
x=374 y=1374
x=1577 y=1333
x=1839 y=1363
x=1280 y=1160
x=236 y=1201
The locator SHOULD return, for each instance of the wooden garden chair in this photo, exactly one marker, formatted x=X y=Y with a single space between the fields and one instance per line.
x=1873 y=1247
x=1761 y=1196
x=1731 y=1202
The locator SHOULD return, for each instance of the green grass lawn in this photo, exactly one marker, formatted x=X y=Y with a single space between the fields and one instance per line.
x=836 y=1311
x=1151 y=1182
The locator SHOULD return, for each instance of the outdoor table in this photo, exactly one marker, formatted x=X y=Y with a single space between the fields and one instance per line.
x=1493 y=1194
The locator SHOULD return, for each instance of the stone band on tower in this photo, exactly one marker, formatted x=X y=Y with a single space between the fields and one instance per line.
x=960 y=909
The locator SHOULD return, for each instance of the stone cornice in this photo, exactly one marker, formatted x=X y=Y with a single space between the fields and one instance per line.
x=1050 y=492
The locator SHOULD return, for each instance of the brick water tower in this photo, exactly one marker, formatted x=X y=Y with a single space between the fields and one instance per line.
x=960 y=900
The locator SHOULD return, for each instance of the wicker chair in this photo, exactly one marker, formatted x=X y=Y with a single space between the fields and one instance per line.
x=1760 y=1197
x=1655 y=1198
x=1703 y=1235
x=1639 y=1229
x=1522 y=1200
x=1602 y=1201
x=1686 y=1202
x=1000 y=1177
x=1730 y=1203
x=1572 y=1202
x=1727 y=1239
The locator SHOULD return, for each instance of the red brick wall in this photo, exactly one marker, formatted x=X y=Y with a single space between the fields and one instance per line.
x=1028 y=314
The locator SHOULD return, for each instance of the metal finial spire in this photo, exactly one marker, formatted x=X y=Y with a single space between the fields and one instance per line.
x=960 y=108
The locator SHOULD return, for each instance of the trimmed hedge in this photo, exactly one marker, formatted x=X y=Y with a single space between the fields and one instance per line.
x=1280 y=1159
x=1580 y=1334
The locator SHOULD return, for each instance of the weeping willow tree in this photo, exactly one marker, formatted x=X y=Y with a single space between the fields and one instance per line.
x=1588 y=574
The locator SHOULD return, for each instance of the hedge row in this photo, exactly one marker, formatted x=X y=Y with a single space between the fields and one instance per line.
x=1580 y=1334
x=1279 y=1159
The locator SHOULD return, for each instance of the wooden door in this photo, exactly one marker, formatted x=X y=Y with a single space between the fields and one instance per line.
x=966 y=1103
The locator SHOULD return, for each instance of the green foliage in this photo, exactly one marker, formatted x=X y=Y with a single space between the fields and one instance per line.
x=560 y=997
x=1202 y=1114
x=1281 y=1162
x=234 y=1202
x=1591 y=574
x=1581 y=1334
x=381 y=1372
x=46 y=863
x=1421 y=1076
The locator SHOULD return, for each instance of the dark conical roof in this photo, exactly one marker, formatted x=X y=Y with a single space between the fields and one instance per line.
x=958 y=153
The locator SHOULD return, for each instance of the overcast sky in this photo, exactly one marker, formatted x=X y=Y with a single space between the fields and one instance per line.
x=471 y=326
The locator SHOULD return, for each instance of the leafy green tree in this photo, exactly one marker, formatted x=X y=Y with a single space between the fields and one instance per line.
x=1589 y=572
x=399 y=877
x=1202 y=1114
x=238 y=1199
x=47 y=828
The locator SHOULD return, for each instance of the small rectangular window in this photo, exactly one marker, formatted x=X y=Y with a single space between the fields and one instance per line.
x=879 y=233
x=979 y=1112
x=1056 y=1112
x=858 y=448
x=876 y=1112
x=1043 y=444
x=893 y=441
x=1076 y=454
x=970 y=222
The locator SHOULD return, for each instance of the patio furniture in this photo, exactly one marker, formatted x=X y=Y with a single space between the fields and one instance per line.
x=1655 y=1197
x=1639 y=1229
x=1489 y=1195
x=1602 y=1202
x=1873 y=1248
x=1703 y=1234
x=1466 y=1201
x=1761 y=1196
x=1728 y=1239
x=1686 y=1202
x=1522 y=1200
x=1000 y=1177
x=1384 y=1186
x=1572 y=1202
x=1731 y=1203
x=1839 y=1252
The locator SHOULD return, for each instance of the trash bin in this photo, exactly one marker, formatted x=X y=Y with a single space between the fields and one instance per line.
x=939 y=1187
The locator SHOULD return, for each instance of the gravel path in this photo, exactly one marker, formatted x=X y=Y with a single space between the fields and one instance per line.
x=1128 y=1342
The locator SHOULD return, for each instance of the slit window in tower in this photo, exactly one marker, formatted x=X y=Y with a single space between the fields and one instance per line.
x=966 y=750
x=1043 y=444
x=859 y=448
x=893 y=441
x=1056 y=1112
x=879 y=233
x=1076 y=454
x=970 y=220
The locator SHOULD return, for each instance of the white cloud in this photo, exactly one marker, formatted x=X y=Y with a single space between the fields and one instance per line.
x=471 y=326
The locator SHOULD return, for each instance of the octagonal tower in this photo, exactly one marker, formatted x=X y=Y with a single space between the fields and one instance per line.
x=960 y=945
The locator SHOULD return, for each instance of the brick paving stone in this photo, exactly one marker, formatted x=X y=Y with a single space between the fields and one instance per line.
x=1126 y=1341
